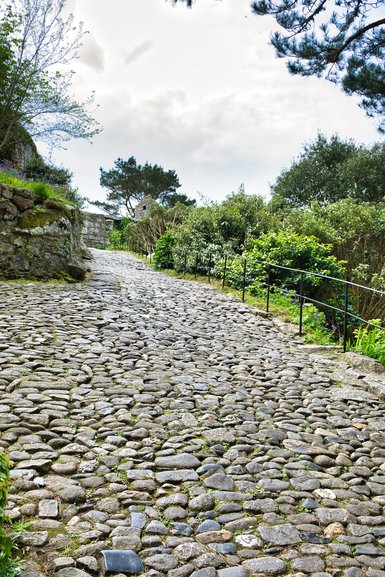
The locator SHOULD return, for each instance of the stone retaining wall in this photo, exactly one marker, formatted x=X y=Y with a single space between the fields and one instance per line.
x=38 y=241
x=95 y=229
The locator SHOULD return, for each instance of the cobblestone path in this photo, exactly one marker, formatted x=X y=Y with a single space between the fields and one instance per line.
x=158 y=416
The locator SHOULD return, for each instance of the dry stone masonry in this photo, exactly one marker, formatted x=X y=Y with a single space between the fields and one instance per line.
x=38 y=241
x=96 y=228
x=161 y=428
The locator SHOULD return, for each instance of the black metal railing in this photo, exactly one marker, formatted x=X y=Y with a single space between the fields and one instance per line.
x=208 y=266
x=300 y=295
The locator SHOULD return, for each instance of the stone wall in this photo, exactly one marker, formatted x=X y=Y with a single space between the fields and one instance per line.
x=95 y=229
x=38 y=241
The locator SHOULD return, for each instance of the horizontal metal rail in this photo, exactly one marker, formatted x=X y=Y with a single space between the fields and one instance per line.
x=302 y=296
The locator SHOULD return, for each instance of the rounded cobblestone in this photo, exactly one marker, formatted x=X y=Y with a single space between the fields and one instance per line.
x=153 y=414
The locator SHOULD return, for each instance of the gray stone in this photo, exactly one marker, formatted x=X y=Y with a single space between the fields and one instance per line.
x=285 y=534
x=179 y=476
x=175 y=513
x=182 y=529
x=237 y=571
x=326 y=516
x=71 y=572
x=126 y=542
x=208 y=525
x=49 y=508
x=202 y=502
x=161 y=562
x=264 y=565
x=181 y=461
x=138 y=520
x=51 y=232
x=187 y=551
x=308 y=564
x=219 y=481
x=34 y=538
x=205 y=572
x=88 y=563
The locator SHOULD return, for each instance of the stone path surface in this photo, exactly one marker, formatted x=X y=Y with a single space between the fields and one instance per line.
x=163 y=418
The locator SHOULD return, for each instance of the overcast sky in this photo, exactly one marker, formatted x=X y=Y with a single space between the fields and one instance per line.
x=200 y=92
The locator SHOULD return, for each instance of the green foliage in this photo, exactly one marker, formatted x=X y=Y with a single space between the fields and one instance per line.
x=42 y=192
x=37 y=169
x=115 y=239
x=142 y=234
x=342 y=40
x=287 y=249
x=330 y=170
x=173 y=198
x=35 y=39
x=8 y=565
x=46 y=188
x=370 y=341
x=12 y=178
x=128 y=182
x=163 y=251
x=315 y=326
x=215 y=229
x=72 y=196
x=117 y=236
x=357 y=233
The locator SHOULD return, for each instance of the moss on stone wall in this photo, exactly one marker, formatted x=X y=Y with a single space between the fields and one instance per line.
x=38 y=217
x=38 y=240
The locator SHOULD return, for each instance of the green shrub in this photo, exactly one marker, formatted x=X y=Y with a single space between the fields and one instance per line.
x=287 y=249
x=163 y=251
x=370 y=341
x=37 y=169
x=9 y=567
x=115 y=239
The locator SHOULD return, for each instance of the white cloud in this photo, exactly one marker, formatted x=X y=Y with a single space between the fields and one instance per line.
x=211 y=102
x=91 y=54
x=137 y=52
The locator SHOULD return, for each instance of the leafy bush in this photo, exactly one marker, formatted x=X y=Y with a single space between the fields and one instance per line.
x=115 y=239
x=357 y=233
x=228 y=227
x=38 y=170
x=286 y=249
x=315 y=324
x=143 y=234
x=9 y=567
x=163 y=251
x=313 y=320
x=370 y=341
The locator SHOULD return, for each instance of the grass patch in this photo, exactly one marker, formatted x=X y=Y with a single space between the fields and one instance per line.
x=42 y=192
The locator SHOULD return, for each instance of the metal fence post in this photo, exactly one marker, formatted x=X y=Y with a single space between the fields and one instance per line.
x=196 y=266
x=346 y=305
x=244 y=280
x=224 y=272
x=209 y=271
x=268 y=289
x=185 y=264
x=301 y=301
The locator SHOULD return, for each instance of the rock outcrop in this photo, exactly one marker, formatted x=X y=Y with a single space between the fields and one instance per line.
x=39 y=241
